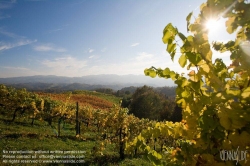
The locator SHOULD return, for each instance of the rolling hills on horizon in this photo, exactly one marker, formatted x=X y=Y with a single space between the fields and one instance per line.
x=115 y=82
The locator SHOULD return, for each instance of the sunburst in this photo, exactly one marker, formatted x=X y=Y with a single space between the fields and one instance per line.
x=212 y=25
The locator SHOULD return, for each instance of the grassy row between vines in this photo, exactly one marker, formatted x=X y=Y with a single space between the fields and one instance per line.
x=20 y=135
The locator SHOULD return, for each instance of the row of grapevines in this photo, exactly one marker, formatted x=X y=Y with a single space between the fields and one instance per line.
x=83 y=99
x=32 y=106
x=114 y=126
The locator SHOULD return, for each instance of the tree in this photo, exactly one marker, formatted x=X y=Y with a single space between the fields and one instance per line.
x=147 y=103
x=177 y=114
x=105 y=90
x=126 y=101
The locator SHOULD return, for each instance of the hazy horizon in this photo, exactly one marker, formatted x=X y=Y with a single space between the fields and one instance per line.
x=102 y=79
x=79 y=76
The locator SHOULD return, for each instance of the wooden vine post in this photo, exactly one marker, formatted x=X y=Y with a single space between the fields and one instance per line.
x=77 y=120
x=59 y=127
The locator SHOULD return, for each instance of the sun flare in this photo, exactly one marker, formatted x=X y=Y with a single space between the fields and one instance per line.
x=211 y=25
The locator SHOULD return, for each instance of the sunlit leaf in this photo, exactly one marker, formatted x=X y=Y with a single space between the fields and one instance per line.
x=172 y=55
x=171 y=47
x=246 y=93
x=203 y=5
x=189 y=16
x=168 y=33
x=172 y=75
x=188 y=20
x=166 y=71
x=183 y=60
x=193 y=58
x=205 y=68
x=152 y=73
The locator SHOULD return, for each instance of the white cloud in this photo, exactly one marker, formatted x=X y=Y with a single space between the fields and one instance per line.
x=94 y=57
x=16 y=40
x=134 y=65
x=66 y=66
x=134 y=44
x=6 y=46
x=70 y=66
x=73 y=67
x=16 y=68
x=118 y=68
x=90 y=50
x=143 y=56
x=49 y=47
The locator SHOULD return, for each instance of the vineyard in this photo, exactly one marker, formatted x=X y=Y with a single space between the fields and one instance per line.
x=105 y=124
x=109 y=125
x=101 y=128
x=215 y=128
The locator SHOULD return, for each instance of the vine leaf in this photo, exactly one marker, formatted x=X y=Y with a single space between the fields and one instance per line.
x=188 y=20
x=183 y=60
x=246 y=93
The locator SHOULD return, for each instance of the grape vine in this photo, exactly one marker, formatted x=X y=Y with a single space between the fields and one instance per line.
x=214 y=97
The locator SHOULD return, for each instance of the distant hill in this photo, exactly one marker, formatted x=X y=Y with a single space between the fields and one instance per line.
x=56 y=88
x=90 y=82
x=166 y=90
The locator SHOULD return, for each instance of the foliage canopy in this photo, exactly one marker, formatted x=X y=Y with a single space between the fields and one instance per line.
x=147 y=103
x=215 y=98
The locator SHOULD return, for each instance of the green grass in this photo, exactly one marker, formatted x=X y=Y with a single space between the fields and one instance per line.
x=20 y=135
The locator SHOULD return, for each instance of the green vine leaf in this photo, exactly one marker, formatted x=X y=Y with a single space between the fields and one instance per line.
x=215 y=97
x=188 y=20
x=246 y=93
x=183 y=60
x=169 y=33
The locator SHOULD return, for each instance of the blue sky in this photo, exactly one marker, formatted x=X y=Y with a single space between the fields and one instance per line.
x=87 y=37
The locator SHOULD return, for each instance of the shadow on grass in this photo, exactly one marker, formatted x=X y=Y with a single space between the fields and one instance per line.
x=24 y=123
x=17 y=135
x=34 y=135
x=104 y=160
